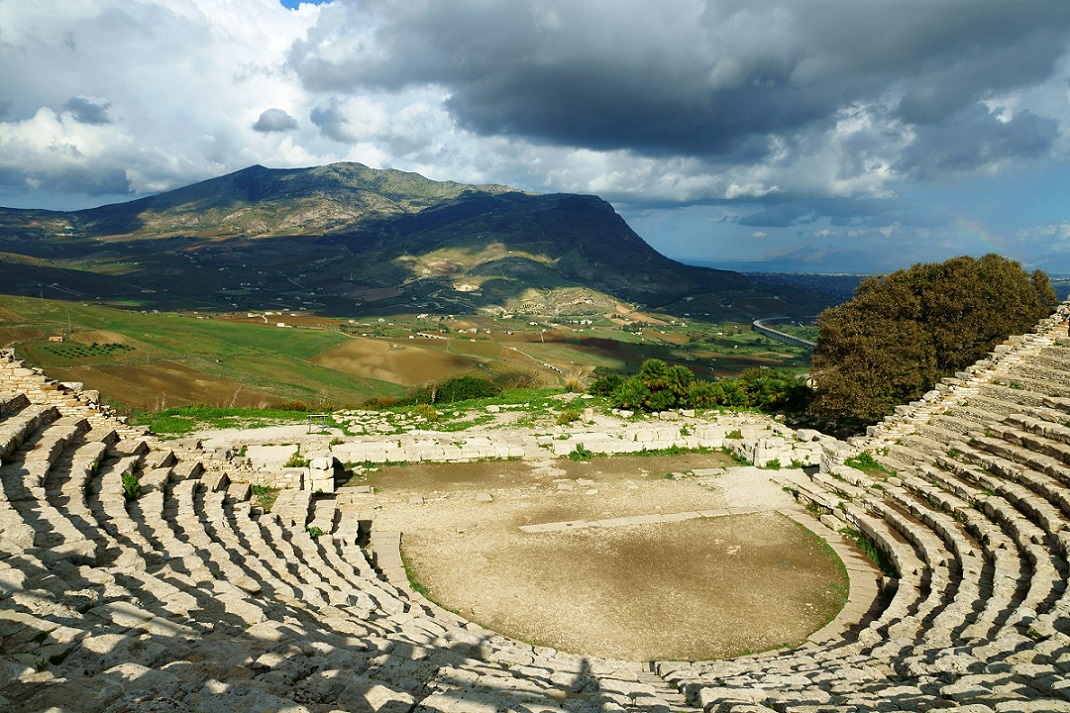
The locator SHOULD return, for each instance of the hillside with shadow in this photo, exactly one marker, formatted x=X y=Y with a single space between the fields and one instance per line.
x=346 y=239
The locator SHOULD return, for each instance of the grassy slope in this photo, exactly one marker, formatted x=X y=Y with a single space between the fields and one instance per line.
x=245 y=364
x=271 y=359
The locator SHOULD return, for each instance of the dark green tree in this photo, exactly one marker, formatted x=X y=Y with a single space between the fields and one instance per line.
x=631 y=394
x=903 y=332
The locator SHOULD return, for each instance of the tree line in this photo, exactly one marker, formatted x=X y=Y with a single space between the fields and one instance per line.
x=887 y=346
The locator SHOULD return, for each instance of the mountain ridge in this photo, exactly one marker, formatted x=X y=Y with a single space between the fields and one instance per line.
x=333 y=235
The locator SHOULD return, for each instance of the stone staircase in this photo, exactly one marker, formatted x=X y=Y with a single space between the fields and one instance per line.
x=189 y=598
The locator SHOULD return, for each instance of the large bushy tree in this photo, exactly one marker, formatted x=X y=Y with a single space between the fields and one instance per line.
x=903 y=332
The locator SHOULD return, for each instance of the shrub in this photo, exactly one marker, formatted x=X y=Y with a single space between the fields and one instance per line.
x=568 y=416
x=631 y=394
x=131 y=486
x=574 y=382
x=606 y=385
x=296 y=460
x=735 y=435
x=461 y=388
x=703 y=394
x=265 y=496
x=662 y=400
x=314 y=531
x=426 y=411
x=580 y=454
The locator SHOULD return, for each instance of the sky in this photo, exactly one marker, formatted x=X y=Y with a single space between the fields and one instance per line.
x=807 y=135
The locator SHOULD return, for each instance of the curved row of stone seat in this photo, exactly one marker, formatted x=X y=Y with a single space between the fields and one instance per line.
x=189 y=594
x=993 y=632
x=923 y=654
x=1024 y=518
x=185 y=577
x=1000 y=572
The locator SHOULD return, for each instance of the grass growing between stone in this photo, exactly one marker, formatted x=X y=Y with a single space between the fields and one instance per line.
x=264 y=496
x=869 y=547
x=869 y=465
x=180 y=421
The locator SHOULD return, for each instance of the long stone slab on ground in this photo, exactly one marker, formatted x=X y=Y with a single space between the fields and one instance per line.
x=652 y=519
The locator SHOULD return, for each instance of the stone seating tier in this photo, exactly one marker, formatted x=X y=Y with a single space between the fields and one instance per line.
x=188 y=594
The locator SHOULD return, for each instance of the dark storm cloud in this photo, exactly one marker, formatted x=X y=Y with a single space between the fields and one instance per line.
x=273 y=121
x=84 y=180
x=88 y=110
x=332 y=122
x=840 y=211
x=715 y=79
x=977 y=138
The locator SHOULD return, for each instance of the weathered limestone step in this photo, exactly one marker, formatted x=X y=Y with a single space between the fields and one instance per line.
x=908 y=589
x=188 y=470
x=1015 y=398
x=950 y=423
x=11 y=403
x=975 y=410
x=108 y=504
x=292 y=508
x=1002 y=479
x=1050 y=467
x=240 y=567
x=927 y=446
x=75 y=466
x=1038 y=372
x=993 y=404
x=132 y=447
x=314 y=588
x=385 y=548
x=938 y=433
x=241 y=538
x=968 y=596
x=346 y=570
x=1032 y=443
x=838 y=484
x=16 y=429
x=942 y=579
x=273 y=570
x=324 y=515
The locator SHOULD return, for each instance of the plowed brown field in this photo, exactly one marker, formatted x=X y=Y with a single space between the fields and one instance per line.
x=394 y=362
x=163 y=385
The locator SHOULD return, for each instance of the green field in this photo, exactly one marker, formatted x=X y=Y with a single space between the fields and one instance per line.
x=142 y=360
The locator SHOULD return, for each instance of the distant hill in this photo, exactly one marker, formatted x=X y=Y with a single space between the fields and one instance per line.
x=348 y=239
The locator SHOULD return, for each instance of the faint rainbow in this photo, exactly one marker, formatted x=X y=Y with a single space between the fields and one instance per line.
x=989 y=241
